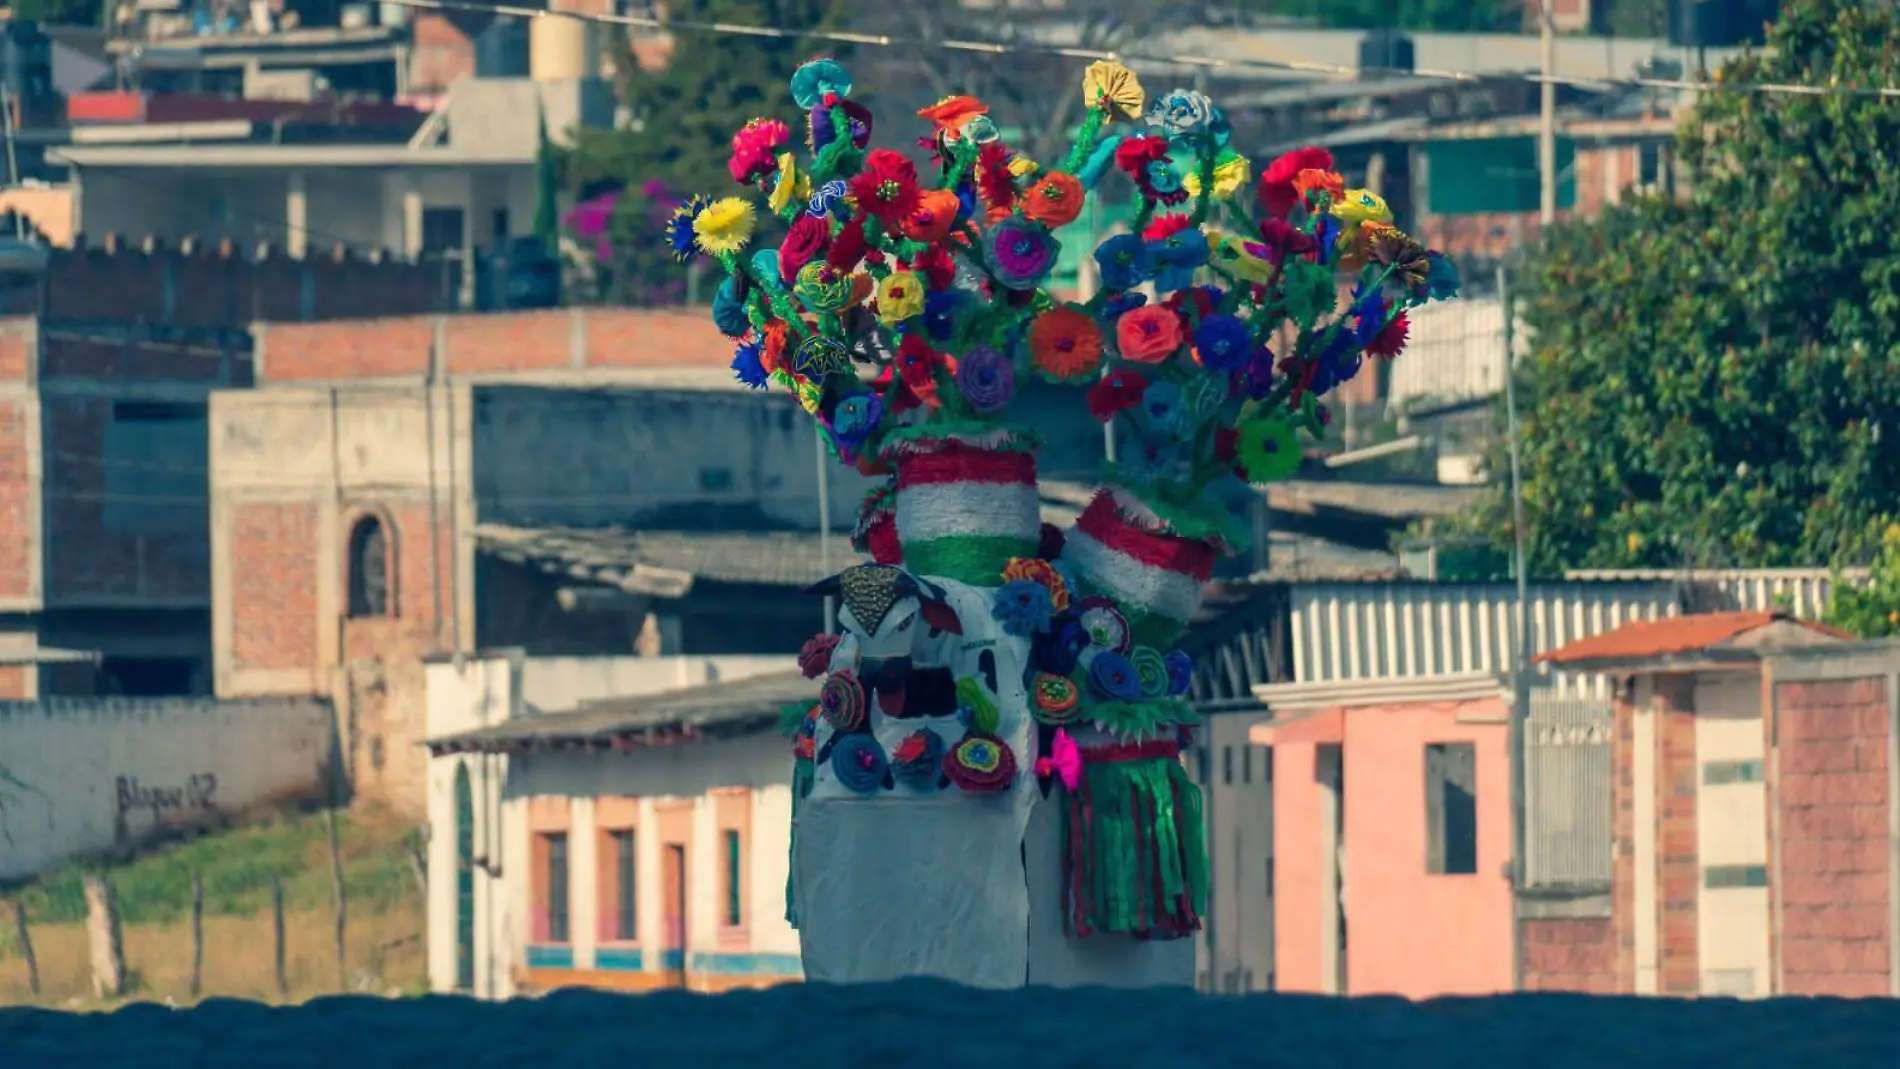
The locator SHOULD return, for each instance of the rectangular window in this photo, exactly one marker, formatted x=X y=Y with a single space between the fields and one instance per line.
x=153 y=461
x=555 y=844
x=626 y=915
x=1722 y=773
x=735 y=873
x=1246 y=764
x=1227 y=764
x=1727 y=877
x=1451 y=809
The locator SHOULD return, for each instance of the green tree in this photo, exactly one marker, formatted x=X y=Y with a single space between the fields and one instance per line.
x=1715 y=380
x=1871 y=610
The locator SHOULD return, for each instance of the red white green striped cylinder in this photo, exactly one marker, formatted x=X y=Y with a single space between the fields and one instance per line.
x=963 y=511
x=1156 y=579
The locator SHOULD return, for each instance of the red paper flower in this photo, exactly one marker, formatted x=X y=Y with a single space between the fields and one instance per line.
x=1134 y=155
x=1282 y=239
x=1201 y=296
x=1390 y=342
x=917 y=366
x=1166 y=226
x=887 y=187
x=1275 y=190
x=847 y=247
x=937 y=266
x=994 y=183
x=1118 y=392
x=1148 y=335
x=755 y=150
x=806 y=239
x=1056 y=201
x=814 y=658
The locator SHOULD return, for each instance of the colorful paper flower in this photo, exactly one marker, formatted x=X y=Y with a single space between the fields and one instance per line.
x=1115 y=393
x=1442 y=282
x=1180 y=672
x=1055 y=201
x=1023 y=607
x=1148 y=335
x=828 y=199
x=1113 y=88
x=854 y=420
x=680 y=238
x=748 y=365
x=985 y=379
x=1243 y=260
x=1134 y=155
x=1022 y=252
x=843 y=700
x=918 y=759
x=755 y=149
x=814 y=657
x=728 y=311
x=815 y=81
x=1106 y=627
x=848 y=247
x=1042 y=573
x=1124 y=262
x=1223 y=344
x=858 y=762
x=917 y=365
x=1065 y=345
x=1113 y=678
x=1314 y=180
x=887 y=187
x=1151 y=460
x=805 y=241
x=1151 y=671
x=1054 y=699
x=823 y=289
x=934 y=216
x=822 y=131
x=941 y=308
x=789 y=186
x=1391 y=339
x=724 y=226
x=1269 y=449
x=1180 y=248
x=1162 y=412
x=1183 y=113
x=1275 y=191
x=1230 y=174
x=899 y=297
x=994 y=183
x=980 y=764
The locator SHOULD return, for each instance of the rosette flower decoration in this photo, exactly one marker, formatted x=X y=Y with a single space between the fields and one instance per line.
x=913 y=309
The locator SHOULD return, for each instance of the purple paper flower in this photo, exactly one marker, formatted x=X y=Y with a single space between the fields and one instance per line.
x=986 y=379
x=1022 y=251
x=854 y=419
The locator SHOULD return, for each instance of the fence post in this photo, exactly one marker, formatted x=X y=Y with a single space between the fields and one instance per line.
x=336 y=893
x=277 y=919
x=106 y=938
x=197 y=933
x=26 y=947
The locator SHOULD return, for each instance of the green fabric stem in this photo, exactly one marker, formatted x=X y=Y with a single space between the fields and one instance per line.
x=1084 y=140
x=974 y=559
x=1145 y=846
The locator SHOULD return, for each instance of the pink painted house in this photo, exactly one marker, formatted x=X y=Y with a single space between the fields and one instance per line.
x=1392 y=835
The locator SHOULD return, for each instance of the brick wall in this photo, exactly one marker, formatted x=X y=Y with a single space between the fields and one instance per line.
x=273 y=594
x=1571 y=954
x=222 y=288
x=1830 y=793
x=439 y=55
x=1678 y=864
x=20 y=525
x=565 y=339
x=1623 y=841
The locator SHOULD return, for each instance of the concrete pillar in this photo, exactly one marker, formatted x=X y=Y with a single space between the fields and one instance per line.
x=411 y=220
x=296 y=216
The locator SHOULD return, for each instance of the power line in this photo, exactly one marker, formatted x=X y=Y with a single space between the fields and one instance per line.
x=999 y=48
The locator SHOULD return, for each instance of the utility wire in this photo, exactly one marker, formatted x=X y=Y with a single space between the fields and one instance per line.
x=1000 y=48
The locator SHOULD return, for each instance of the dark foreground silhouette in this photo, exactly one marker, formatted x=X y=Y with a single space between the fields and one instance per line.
x=921 y=1023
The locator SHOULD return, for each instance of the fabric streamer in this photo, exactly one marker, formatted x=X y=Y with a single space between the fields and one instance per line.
x=1136 y=861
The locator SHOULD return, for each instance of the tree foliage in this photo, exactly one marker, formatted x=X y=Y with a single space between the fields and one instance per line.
x=1871 y=610
x=1715 y=380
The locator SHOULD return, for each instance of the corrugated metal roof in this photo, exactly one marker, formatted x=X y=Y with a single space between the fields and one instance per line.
x=724 y=709
x=616 y=556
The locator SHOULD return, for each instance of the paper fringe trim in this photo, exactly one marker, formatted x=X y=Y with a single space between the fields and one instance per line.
x=1135 y=847
x=937 y=437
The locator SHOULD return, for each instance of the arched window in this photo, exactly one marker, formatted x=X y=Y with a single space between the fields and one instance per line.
x=369 y=568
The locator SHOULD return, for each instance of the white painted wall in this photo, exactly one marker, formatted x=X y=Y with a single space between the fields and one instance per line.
x=1643 y=805
x=1731 y=829
x=82 y=775
x=1234 y=951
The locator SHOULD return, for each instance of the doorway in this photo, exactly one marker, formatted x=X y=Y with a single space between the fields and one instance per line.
x=673 y=872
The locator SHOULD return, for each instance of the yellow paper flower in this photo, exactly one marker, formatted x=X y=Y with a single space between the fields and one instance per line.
x=1231 y=257
x=1115 y=88
x=1022 y=166
x=1229 y=177
x=792 y=186
x=724 y=226
x=899 y=297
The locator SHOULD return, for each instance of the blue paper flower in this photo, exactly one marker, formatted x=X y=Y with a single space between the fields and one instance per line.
x=1161 y=408
x=728 y=311
x=1114 y=678
x=854 y=419
x=1099 y=161
x=1223 y=344
x=1059 y=649
x=764 y=265
x=815 y=80
x=1182 y=113
x=828 y=199
x=1113 y=308
x=747 y=366
x=1177 y=257
x=1163 y=178
x=1443 y=282
x=1125 y=261
x=940 y=313
x=1151 y=460
x=1023 y=607
x=1180 y=672
x=680 y=238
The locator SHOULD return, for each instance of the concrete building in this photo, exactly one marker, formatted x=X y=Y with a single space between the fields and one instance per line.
x=632 y=843
x=578 y=482
x=1391 y=828
x=1757 y=838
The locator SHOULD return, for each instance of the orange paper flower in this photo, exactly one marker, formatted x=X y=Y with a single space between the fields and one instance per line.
x=1055 y=201
x=936 y=213
x=949 y=114
x=772 y=358
x=1327 y=181
x=1148 y=335
x=1065 y=345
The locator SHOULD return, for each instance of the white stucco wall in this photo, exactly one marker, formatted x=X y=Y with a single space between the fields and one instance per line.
x=82 y=775
x=1731 y=831
x=557 y=684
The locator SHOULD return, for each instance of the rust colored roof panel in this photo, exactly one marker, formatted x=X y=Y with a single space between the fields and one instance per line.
x=1673 y=635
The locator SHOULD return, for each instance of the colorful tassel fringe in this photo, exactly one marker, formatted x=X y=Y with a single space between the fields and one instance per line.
x=1135 y=857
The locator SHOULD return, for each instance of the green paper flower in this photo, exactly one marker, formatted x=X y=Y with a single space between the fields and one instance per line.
x=824 y=289
x=1269 y=449
x=1151 y=671
x=1311 y=293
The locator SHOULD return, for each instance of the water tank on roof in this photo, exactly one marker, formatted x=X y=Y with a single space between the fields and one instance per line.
x=1720 y=23
x=562 y=49
x=501 y=50
x=1383 y=51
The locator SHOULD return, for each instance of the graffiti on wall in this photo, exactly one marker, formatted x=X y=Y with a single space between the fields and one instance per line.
x=198 y=794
